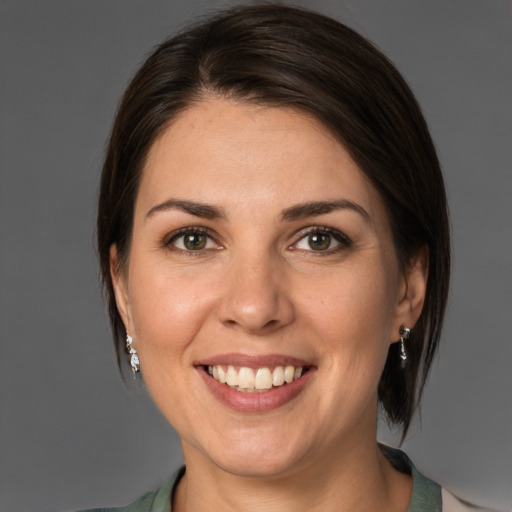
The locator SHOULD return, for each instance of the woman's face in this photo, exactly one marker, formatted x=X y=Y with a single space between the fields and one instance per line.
x=261 y=254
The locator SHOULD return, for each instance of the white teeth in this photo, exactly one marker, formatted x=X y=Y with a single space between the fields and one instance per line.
x=246 y=378
x=231 y=376
x=278 y=376
x=289 y=372
x=250 y=381
x=263 y=379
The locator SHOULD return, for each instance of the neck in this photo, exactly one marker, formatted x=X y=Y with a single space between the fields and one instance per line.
x=352 y=478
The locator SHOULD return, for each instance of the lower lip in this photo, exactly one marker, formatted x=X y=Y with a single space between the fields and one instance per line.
x=258 y=401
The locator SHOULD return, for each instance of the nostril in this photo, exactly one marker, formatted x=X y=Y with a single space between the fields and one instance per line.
x=255 y=310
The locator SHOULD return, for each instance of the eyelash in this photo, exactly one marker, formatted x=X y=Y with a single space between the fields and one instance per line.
x=342 y=240
x=170 y=242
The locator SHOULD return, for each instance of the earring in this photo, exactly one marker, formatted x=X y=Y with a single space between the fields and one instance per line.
x=405 y=332
x=134 y=357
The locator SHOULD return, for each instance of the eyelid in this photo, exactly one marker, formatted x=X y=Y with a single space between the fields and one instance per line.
x=343 y=240
x=170 y=239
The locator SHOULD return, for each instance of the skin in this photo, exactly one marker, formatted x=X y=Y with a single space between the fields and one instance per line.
x=258 y=288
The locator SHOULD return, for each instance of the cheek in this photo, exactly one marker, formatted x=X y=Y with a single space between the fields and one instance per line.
x=354 y=320
x=360 y=302
x=168 y=312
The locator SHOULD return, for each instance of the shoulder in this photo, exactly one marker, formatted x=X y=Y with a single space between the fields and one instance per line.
x=156 y=501
x=453 y=504
x=427 y=495
x=143 y=504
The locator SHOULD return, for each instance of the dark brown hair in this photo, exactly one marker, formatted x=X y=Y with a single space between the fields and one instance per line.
x=283 y=56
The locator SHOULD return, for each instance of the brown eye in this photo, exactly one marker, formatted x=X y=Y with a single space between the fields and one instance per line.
x=319 y=241
x=192 y=240
x=322 y=239
x=195 y=241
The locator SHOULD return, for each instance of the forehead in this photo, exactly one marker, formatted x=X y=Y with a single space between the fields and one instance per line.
x=230 y=152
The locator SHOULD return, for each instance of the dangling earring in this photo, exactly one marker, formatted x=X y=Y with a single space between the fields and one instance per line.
x=134 y=357
x=405 y=332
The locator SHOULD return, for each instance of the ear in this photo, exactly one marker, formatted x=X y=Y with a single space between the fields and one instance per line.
x=411 y=296
x=121 y=292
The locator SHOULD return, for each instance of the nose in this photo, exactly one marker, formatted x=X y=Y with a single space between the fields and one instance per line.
x=256 y=297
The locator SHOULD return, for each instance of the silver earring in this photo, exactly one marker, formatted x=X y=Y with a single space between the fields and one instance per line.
x=134 y=357
x=405 y=332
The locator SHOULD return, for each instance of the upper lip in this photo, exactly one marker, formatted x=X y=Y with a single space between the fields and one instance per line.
x=253 y=361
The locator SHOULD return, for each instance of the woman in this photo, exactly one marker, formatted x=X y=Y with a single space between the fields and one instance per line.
x=274 y=244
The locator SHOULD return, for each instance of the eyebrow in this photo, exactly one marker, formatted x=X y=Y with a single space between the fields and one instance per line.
x=296 y=212
x=205 y=211
x=315 y=208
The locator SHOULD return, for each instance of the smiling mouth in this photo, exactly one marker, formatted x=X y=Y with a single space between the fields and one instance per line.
x=255 y=380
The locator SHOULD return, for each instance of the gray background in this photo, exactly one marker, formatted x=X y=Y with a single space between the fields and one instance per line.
x=71 y=434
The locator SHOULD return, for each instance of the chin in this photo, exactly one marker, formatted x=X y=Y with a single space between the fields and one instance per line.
x=257 y=465
x=257 y=454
